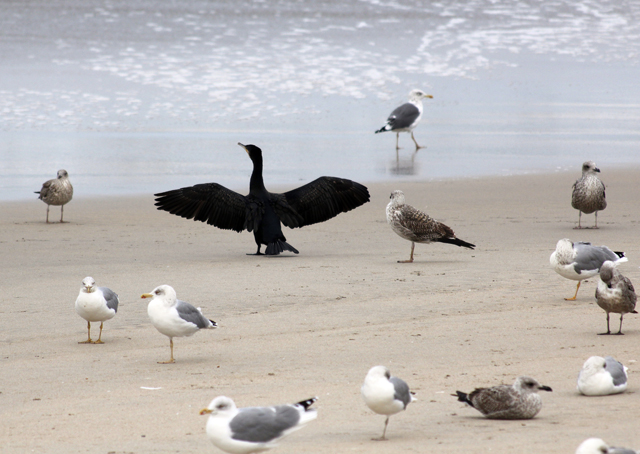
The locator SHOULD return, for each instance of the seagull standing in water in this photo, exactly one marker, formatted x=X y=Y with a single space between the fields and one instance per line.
x=254 y=429
x=615 y=293
x=406 y=117
x=385 y=395
x=579 y=261
x=95 y=304
x=57 y=192
x=173 y=317
x=588 y=193
x=418 y=227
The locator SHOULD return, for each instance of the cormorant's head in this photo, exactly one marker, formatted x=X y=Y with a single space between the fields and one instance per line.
x=253 y=151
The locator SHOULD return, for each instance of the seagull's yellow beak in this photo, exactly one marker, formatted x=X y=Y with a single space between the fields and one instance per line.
x=428 y=96
x=147 y=295
x=205 y=411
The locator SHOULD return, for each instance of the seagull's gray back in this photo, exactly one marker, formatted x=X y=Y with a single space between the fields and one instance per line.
x=590 y=257
x=192 y=315
x=616 y=370
x=263 y=424
x=111 y=297
x=614 y=450
x=401 y=391
x=404 y=116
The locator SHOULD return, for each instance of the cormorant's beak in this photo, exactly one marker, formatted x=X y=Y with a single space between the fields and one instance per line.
x=206 y=411
x=147 y=295
x=244 y=146
x=545 y=388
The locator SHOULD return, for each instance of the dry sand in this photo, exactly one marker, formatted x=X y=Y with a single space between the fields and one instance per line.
x=292 y=327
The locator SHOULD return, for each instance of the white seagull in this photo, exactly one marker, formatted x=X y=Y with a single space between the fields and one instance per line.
x=95 y=304
x=598 y=446
x=173 y=317
x=579 y=261
x=385 y=395
x=406 y=117
x=602 y=376
x=56 y=192
x=518 y=401
x=588 y=193
x=254 y=429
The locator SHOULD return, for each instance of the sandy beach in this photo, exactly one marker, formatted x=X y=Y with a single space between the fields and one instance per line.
x=293 y=327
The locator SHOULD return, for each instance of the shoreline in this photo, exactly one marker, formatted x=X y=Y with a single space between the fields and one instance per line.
x=292 y=327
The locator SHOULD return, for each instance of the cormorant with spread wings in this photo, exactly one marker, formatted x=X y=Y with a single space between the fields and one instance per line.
x=261 y=211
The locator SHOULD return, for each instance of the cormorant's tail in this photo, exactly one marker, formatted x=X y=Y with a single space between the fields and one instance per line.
x=463 y=397
x=279 y=246
x=457 y=242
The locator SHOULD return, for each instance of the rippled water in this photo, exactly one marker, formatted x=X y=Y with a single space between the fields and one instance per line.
x=144 y=95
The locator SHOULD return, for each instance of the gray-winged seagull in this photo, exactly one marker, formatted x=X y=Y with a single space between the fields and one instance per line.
x=579 y=261
x=173 y=317
x=384 y=394
x=406 y=117
x=254 y=429
x=95 y=304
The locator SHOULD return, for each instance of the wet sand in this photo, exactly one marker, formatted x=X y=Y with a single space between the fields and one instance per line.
x=292 y=327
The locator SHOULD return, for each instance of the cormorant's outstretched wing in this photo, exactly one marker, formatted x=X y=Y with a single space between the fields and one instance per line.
x=321 y=200
x=213 y=204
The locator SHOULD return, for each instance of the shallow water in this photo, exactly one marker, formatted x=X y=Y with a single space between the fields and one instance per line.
x=144 y=96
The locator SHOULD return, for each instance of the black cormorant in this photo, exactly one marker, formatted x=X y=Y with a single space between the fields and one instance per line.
x=261 y=211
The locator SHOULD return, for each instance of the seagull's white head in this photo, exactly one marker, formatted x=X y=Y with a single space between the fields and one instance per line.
x=564 y=250
x=164 y=293
x=378 y=373
x=221 y=405
x=397 y=197
x=590 y=167
x=417 y=95
x=593 y=446
x=593 y=365
x=526 y=384
x=88 y=285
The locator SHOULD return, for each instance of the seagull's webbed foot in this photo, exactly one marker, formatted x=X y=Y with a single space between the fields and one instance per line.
x=97 y=342
x=88 y=341
x=604 y=334
x=380 y=439
x=405 y=261
x=171 y=361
